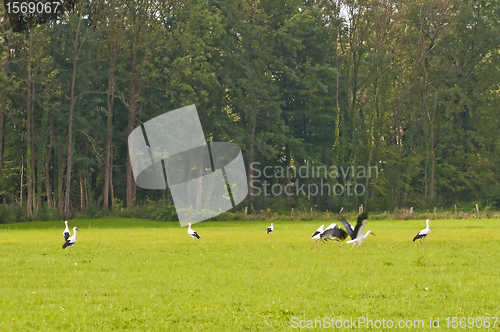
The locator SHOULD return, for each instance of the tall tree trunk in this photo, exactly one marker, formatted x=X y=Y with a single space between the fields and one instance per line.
x=250 y=159
x=42 y=158
x=288 y=190
x=86 y=193
x=3 y=104
x=82 y=204
x=60 y=180
x=203 y=115
x=109 y=101
x=2 y=132
x=48 y=185
x=336 y=143
x=22 y=177
x=433 y=154
x=355 y=55
x=48 y=165
x=70 y=123
x=34 y=176
x=133 y=103
x=112 y=191
x=371 y=143
x=29 y=138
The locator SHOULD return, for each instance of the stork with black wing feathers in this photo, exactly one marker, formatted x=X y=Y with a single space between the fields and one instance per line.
x=66 y=232
x=356 y=233
x=423 y=233
x=332 y=232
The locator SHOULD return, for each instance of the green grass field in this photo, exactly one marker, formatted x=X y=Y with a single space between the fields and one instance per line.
x=137 y=275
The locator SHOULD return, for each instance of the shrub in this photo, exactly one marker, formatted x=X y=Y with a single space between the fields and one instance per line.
x=6 y=214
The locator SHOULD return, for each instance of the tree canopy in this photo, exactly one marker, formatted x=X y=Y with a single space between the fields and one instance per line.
x=389 y=104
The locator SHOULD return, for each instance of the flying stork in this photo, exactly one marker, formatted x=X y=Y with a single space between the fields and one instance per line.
x=70 y=242
x=66 y=231
x=270 y=229
x=192 y=232
x=423 y=233
x=356 y=233
x=332 y=232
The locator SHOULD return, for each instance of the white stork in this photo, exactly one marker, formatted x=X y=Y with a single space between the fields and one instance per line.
x=72 y=240
x=318 y=232
x=332 y=232
x=317 y=235
x=66 y=231
x=192 y=232
x=423 y=233
x=356 y=233
x=270 y=229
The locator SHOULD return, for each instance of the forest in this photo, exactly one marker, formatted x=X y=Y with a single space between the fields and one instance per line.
x=395 y=102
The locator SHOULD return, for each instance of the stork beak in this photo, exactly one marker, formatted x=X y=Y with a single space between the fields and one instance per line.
x=372 y=234
x=77 y=229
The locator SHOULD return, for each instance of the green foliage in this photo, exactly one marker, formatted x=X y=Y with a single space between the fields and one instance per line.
x=159 y=212
x=7 y=214
x=118 y=204
x=410 y=88
x=46 y=213
x=93 y=206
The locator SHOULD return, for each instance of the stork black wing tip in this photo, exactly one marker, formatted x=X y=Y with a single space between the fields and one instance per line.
x=418 y=236
x=363 y=215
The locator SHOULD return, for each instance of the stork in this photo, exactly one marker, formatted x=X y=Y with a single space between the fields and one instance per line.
x=192 y=232
x=66 y=231
x=317 y=235
x=356 y=233
x=70 y=242
x=270 y=229
x=332 y=232
x=423 y=233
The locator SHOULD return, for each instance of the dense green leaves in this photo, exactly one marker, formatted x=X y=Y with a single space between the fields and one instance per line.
x=408 y=89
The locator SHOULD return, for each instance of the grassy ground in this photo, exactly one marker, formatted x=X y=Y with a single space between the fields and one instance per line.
x=145 y=276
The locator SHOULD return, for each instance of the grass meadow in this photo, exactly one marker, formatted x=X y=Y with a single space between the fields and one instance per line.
x=137 y=275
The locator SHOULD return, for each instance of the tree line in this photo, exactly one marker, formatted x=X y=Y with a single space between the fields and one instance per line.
x=409 y=88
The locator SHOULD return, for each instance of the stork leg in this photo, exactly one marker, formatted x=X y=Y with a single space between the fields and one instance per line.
x=353 y=245
x=319 y=245
x=314 y=244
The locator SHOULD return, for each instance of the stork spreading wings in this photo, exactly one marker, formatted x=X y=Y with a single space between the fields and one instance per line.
x=332 y=232
x=356 y=233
